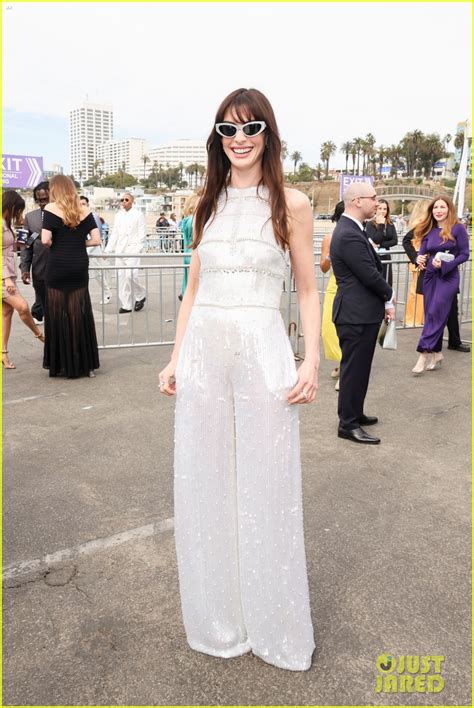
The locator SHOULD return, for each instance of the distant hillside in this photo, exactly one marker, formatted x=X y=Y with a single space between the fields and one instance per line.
x=325 y=195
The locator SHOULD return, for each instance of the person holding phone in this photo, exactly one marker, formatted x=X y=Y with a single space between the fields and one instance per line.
x=444 y=246
x=238 y=505
x=381 y=230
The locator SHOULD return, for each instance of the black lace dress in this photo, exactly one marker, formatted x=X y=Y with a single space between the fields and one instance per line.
x=71 y=344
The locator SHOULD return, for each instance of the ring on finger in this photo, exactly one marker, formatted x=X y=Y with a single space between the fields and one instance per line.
x=306 y=396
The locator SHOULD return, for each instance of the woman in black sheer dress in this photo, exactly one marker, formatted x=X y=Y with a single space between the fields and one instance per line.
x=71 y=345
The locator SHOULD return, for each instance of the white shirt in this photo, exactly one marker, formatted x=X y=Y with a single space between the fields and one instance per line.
x=128 y=233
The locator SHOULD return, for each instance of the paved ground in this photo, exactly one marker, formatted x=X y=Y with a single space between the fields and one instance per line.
x=92 y=614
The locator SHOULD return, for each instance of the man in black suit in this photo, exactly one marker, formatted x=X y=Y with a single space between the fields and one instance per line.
x=362 y=301
x=35 y=257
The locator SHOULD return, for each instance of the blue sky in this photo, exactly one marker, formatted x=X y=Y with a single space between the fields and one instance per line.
x=333 y=71
x=33 y=134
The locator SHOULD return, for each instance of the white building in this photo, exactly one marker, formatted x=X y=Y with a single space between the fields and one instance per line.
x=115 y=153
x=90 y=125
x=185 y=152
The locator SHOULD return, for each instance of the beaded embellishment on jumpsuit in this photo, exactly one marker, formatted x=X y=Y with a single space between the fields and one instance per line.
x=238 y=498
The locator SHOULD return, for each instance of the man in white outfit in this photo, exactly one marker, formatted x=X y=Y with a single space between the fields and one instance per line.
x=128 y=236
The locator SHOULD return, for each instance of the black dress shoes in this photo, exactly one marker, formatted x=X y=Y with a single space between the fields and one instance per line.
x=122 y=310
x=357 y=435
x=139 y=305
x=460 y=347
x=368 y=420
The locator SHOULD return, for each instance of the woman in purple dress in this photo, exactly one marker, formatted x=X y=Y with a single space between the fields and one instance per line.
x=442 y=234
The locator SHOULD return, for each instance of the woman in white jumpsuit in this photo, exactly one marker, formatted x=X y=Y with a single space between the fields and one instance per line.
x=238 y=503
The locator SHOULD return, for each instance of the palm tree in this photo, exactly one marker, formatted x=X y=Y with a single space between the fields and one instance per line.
x=328 y=149
x=380 y=154
x=346 y=149
x=369 y=145
x=459 y=140
x=296 y=157
x=284 y=150
x=145 y=159
x=180 y=168
x=80 y=173
x=358 y=142
x=353 y=152
x=190 y=172
x=446 y=140
x=95 y=165
x=201 y=172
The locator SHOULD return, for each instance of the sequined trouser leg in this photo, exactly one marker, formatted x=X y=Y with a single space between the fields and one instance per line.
x=238 y=506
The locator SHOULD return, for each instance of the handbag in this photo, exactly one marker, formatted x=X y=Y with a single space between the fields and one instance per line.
x=387 y=337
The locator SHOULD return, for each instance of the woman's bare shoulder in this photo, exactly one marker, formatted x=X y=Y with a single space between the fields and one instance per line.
x=297 y=202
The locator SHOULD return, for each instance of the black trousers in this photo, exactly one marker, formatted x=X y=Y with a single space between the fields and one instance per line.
x=38 y=307
x=454 y=338
x=357 y=345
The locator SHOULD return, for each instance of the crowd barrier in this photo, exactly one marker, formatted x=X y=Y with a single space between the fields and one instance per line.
x=162 y=275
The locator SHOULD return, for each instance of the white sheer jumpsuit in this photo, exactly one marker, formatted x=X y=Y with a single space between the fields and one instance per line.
x=238 y=500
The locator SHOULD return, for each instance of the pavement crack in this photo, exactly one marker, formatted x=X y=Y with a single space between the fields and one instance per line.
x=83 y=592
x=13 y=585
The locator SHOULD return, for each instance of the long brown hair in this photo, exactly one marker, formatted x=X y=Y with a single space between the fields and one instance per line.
x=429 y=222
x=13 y=206
x=246 y=104
x=388 y=219
x=63 y=192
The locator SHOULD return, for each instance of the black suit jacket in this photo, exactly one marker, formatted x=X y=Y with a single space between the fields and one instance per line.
x=35 y=256
x=361 y=289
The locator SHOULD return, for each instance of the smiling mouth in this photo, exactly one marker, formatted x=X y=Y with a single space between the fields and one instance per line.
x=241 y=151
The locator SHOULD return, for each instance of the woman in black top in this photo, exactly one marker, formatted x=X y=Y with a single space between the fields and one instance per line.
x=382 y=232
x=71 y=343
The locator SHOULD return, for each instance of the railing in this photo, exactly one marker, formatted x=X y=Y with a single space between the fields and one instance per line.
x=162 y=276
x=411 y=192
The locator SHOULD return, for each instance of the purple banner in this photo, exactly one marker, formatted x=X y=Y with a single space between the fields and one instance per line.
x=347 y=180
x=21 y=171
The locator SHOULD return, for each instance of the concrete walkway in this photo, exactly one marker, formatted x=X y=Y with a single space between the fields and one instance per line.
x=92 y=612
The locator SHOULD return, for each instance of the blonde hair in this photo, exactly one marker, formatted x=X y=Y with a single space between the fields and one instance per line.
x=429 y=222
x=63 y=192
x=190 y=204
x=416 y=217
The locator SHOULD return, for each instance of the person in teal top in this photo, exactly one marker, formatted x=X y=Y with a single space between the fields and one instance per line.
x=187 y=231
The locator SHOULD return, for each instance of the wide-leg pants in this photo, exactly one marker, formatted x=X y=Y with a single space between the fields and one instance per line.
x=238 y=500
x=129 y=287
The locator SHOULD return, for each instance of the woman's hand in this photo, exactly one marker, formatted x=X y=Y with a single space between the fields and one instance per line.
x=379 y=219
x=167 y=380
x=421 y=261
x=9 y=285
x=305 y=388
x=436 y=263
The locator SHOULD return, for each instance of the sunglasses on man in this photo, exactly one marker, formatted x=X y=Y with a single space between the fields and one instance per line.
x=125 y=200
x=250 y=129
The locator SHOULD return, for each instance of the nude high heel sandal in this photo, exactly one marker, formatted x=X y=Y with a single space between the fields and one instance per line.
x=436 y=362
x=421 y=364
x=7 y=364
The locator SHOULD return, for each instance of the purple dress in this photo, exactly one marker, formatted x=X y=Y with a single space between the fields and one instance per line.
x=440 y=285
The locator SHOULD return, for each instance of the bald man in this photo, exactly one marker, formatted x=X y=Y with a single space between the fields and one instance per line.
x=362 y=301
x=128 y=236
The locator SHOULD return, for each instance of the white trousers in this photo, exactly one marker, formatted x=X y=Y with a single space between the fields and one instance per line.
x=129 y=287
x=238 y=497
x=101 y=276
